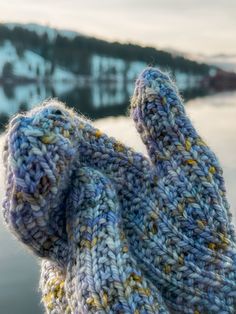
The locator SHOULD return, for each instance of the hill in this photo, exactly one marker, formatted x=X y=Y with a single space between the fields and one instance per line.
x=31 y=52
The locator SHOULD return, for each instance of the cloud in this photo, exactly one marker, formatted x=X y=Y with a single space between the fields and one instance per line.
x=207 y=26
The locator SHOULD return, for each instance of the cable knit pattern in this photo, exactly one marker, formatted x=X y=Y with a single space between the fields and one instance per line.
x=118 y=232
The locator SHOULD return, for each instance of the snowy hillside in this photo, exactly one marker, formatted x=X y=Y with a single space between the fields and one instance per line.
x=39 y=46
x=39 y=62
x=105 y=68
x=30 y=65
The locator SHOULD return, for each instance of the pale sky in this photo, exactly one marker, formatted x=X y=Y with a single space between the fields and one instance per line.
x=194 y=26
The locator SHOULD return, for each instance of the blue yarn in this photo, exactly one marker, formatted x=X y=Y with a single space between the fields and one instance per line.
x=118 y=232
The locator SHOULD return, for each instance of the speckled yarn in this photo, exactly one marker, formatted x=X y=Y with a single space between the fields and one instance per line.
x=119 y=232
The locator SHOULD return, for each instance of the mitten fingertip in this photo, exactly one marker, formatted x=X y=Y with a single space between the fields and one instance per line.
x=151 y=84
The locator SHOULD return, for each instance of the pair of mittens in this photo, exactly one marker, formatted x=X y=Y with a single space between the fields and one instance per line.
x=172 y=205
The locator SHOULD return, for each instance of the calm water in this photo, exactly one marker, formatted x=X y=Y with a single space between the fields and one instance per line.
x=95 y=100
x=214 y=116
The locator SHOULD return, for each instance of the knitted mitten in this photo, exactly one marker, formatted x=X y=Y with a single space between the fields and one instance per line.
x=101 y=276
x=37 y=174
x=42 y=148
x=173 y=207
x=52 y=285
x=71 y=216
x=188 y=249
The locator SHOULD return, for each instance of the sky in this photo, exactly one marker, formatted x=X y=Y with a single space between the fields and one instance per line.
x=192 y=26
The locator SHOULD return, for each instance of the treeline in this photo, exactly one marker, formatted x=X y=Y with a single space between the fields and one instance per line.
x=75 y=54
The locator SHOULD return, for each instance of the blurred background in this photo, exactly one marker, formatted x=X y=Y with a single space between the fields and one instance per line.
x=88 y=54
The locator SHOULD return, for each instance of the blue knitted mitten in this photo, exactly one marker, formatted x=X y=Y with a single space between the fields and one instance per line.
x=70 y=215
x=122 y=233
x=101 y=275
x=191 y=254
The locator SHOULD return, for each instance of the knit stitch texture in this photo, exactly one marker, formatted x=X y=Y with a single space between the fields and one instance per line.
x=119 y=232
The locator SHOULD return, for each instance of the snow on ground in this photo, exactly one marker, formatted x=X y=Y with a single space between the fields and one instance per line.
x=105 y=68
x=30 y=64
x=23 y=66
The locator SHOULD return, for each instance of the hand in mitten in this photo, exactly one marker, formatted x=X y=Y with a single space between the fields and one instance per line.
x=52 y=286
x=183 y=232
x=101 y=275
x=41 y=150
x=70 y=215
x=174 y=210
x=37 y=161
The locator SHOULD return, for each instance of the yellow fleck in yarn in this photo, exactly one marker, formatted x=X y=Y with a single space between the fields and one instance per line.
x=48 y=139
x=94 y=242
x=119 y=147
x=200 y=142
x=66 y=133
x=188 y=145
x=68 y=310
x=125 y=249
x=104 y=299
x=167 y=268
x=98 y=133
x=212 y=246
x=191 y=162
x=201 y=223
x=181 y=259
x=212 y=170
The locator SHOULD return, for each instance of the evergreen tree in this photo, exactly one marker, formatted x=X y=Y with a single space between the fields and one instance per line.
x=7 y=70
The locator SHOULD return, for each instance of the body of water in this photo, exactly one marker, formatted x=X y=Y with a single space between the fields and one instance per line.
x=214 y=116
x=95 y=100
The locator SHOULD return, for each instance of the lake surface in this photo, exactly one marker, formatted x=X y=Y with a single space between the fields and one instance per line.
x=215 y=118
x=95 y=100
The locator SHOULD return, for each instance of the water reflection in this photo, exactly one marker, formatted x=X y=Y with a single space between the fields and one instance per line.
x=96 y=100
